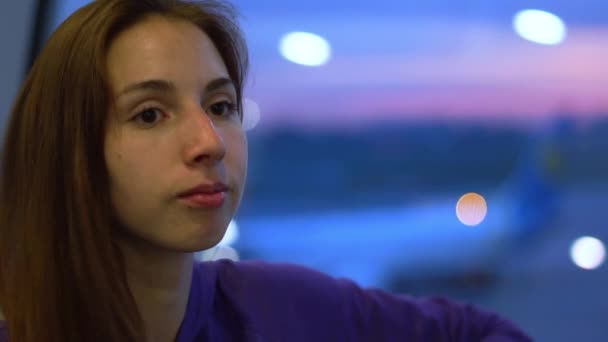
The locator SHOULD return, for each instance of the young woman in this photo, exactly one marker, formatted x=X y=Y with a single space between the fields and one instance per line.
x=124 y=155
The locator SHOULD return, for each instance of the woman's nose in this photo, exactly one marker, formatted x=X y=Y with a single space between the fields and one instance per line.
x=204 y=142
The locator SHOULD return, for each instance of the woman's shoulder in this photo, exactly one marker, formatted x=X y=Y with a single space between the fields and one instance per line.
x=262 y=270
x=3 y=331
x=276 y=279
x=305 y=298
x=280 y=301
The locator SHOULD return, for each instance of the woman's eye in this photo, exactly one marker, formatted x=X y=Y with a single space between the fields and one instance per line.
x=148 y=116
x=222 y=108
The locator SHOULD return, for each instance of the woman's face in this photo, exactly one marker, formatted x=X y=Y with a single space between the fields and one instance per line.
x=174 y=127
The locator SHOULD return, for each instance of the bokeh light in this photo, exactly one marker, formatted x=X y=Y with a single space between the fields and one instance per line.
x=231 y=235
x=305 y=48
x=539 y=27
x=222 y=250
x=225 y=252
x=471 y=209
x=588 y=253
x=251 y=114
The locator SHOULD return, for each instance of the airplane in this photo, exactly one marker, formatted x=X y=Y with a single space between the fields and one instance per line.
x=427 y=239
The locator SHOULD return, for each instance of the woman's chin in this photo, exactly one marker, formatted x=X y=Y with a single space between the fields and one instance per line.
x=200 y=240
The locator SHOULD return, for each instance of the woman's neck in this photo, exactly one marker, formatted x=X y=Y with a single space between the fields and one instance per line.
x=160 y=283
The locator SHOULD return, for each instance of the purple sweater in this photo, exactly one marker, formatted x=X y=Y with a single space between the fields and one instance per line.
x=257 y=301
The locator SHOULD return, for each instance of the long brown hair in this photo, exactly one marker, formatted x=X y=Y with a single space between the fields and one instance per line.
x=62 y=277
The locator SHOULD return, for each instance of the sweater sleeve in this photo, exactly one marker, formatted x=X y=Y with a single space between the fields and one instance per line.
x=3 y=331
x=377 y=315
x=283 y=302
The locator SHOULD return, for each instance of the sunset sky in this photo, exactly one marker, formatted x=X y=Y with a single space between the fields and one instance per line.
x=411 y=60
x=440 y=68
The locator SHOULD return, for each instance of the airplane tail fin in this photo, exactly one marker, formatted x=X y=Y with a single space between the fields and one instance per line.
x=535 y=186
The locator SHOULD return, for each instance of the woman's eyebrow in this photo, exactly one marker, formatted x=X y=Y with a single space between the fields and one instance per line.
x=168 y=86
x=219 y=83
x=155 y=85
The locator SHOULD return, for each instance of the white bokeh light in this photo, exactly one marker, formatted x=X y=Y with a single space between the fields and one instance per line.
x=588 y=253
x=251 y=114
x=231 y=235
x=305 y=48
x=539 y=27
x=471 y=209
x=225 y=252
x=222 y=250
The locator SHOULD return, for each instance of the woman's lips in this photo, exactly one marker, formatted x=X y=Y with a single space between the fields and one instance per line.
x=205 y=200
x=205 y=188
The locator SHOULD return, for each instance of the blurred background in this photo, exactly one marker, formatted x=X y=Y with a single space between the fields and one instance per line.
x=425 y=147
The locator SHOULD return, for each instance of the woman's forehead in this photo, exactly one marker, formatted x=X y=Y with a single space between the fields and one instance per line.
x=165 y=49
